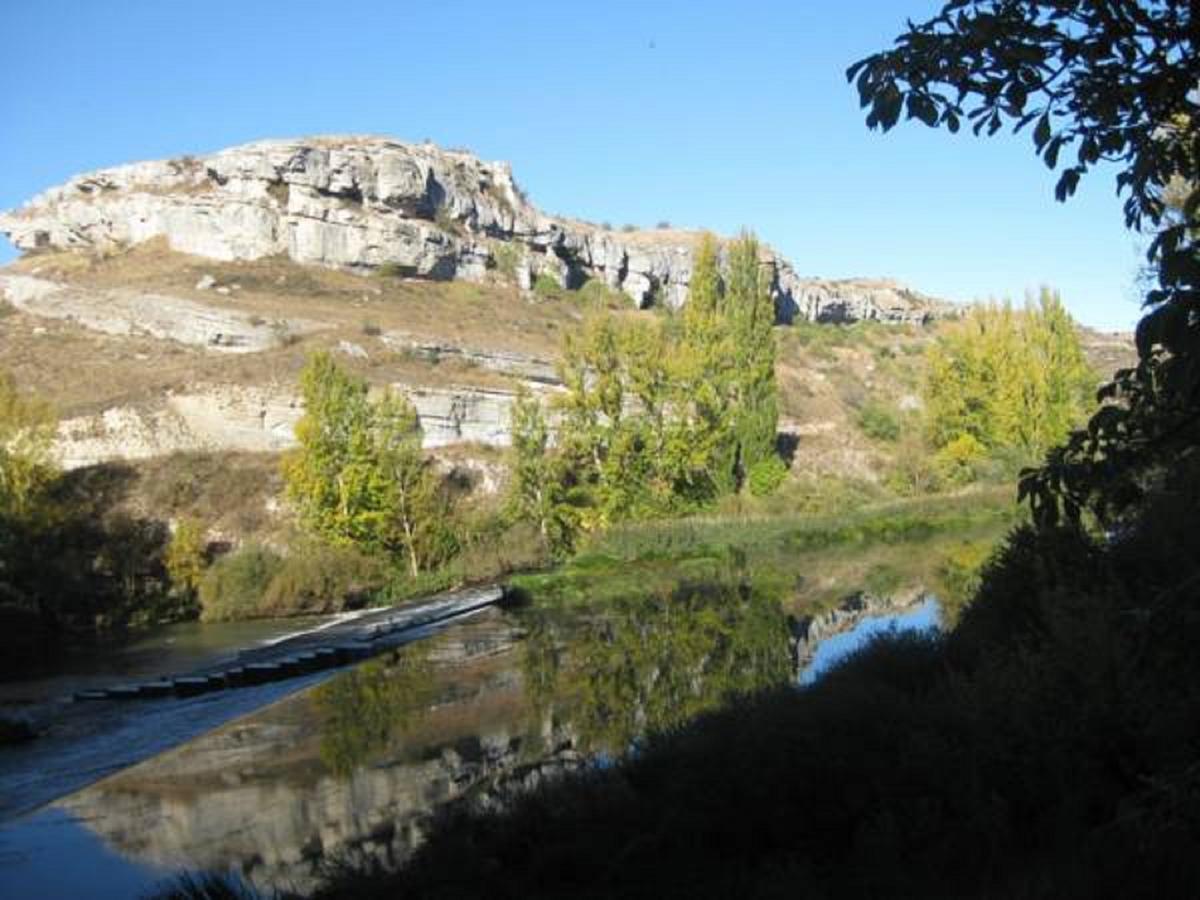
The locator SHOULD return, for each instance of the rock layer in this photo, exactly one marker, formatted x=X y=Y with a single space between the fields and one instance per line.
x=360 y=203
x=260 y=419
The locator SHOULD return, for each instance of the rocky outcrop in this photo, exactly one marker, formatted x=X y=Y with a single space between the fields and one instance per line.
x=258 y=419
x=361 y=203
x=517 y=365
x=129 y=312
x=855 y=300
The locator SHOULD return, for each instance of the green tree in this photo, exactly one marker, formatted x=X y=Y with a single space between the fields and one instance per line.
x=185 y=557
x=539 y=492
x=750 y=315
x=27 y=429
x=359 y=477
x=1007 y=379
x=327 y=478
x=1113 y=82
x=659 y=415
x=414 y=509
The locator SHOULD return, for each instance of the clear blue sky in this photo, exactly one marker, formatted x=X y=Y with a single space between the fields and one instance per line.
x=711 y=114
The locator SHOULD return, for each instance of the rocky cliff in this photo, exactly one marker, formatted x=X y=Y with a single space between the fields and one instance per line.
x=363 y=203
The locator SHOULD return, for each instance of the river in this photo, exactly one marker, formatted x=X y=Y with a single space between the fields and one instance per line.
x=319 y=768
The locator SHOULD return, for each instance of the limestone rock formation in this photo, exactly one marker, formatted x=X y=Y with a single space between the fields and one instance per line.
x=131 y=312
x=263 y=419
x=361 y=203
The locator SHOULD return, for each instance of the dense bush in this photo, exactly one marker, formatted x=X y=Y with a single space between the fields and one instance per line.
x=766 y=475
x=546 y=285
x=319 y=578
x=878 y=422
x=233 y=587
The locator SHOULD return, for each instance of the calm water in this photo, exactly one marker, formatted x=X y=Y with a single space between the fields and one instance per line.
x=837 y=647
x=165 y=649
x=357 y=765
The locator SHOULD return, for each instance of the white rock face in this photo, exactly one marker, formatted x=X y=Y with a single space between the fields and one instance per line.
x=261 y=419
x=358 y=203
x=128 y=312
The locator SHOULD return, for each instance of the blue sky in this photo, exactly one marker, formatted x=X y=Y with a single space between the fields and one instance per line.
x=720 y=115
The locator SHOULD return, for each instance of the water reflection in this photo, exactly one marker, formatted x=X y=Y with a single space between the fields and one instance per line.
x=365 y=708
x=833 y=649
x=652 y=663
x=490 y=707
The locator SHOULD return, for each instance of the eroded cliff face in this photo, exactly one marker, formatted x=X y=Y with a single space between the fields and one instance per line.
x=361 y=203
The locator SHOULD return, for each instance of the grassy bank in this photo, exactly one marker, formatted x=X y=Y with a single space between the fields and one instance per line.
x=809 y=561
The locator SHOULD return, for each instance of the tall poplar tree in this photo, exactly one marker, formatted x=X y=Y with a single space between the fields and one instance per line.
x=749 y=314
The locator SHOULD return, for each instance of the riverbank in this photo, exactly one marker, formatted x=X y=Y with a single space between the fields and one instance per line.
x=810 y=563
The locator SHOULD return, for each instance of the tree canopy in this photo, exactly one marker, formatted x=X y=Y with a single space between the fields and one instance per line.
x=1116 y=82
x=1008 y=379
x=27 y=427
x=359 y=477
x=660 y=414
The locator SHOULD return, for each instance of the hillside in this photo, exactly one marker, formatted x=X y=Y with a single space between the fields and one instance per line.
x=167 y=308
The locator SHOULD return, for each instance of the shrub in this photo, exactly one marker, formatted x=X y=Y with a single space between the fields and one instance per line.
x=233 y=587
x=766 y=476
x=958 y=461
x=595 y=292
x=395 y=270
x=546 y=285
x=878 y=422
x=662 y=224
x=317 y=578
x=371 y=328
x=506 y=256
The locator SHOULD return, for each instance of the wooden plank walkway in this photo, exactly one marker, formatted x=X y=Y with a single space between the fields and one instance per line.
x=335 y=645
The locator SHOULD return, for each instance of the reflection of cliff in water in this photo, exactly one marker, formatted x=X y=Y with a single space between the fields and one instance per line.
x=359 y=765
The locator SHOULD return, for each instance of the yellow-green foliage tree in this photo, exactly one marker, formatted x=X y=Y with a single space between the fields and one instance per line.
x=659 y=415
x=184 y=558
x=539 y=492
x=27 y=427
x=359 y=477
x=1006 y=379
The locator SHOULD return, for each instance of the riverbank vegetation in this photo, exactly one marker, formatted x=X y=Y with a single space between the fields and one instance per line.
x=664 y=417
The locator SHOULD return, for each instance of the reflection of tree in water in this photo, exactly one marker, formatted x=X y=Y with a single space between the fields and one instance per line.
x=651 y=663
x=362 y=709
